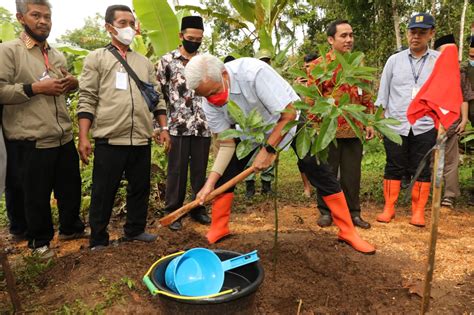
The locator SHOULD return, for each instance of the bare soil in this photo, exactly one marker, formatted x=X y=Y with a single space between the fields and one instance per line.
x=314 y=273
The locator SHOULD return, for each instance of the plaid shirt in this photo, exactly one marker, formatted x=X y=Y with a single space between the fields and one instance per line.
x=357 y=96
x=185 y=114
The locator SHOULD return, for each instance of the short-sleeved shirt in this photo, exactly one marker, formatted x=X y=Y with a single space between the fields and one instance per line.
x=253 y=84
x=396 y=88
x=185 y=114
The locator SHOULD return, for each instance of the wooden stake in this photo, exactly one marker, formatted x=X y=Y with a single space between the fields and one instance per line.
x=438 y=170
x=10 y=279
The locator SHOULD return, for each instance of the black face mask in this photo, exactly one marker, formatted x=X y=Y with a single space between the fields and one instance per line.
x=190 y=47
x=36 y=37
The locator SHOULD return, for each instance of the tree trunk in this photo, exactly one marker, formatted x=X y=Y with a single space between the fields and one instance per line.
x=461 y=31
x=396 y=24
x=433 y=7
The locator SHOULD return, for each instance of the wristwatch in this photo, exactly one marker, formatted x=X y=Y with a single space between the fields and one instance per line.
x=270 y=149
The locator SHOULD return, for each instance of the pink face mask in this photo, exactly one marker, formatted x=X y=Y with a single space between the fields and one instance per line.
x=219 y=99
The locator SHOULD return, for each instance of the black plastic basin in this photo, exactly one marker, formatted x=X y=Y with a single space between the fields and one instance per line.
x=244 y=281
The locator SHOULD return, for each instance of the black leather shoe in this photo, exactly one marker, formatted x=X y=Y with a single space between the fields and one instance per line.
x=266 y=187
x=250 y=189
x=176 y=225
x=202 y=218
x=324 y=220
x=358 y=221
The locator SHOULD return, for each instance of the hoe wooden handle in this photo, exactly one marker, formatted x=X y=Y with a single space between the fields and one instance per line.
x=175 y=215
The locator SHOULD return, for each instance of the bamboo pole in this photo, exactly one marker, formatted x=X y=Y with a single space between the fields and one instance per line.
x=438 y=169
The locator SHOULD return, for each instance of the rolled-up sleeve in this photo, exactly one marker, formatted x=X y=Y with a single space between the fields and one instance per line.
x=385 y=81
x=10 y=92
x=88 y=88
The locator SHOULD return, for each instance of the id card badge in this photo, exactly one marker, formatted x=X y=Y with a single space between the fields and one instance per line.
x=121 y=80
x=44 y=76
x=414 y=92
x=359 y=91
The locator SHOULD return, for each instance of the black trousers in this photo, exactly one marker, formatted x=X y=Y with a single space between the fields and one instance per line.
x=44 y=171
x=186 y=152
x=346 y=159
x=404 y=159
x=14 y=194
x=110 y=163
x=319 y=174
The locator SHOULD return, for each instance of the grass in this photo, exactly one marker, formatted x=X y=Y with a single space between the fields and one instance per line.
x=111 y=294
x=291 y=186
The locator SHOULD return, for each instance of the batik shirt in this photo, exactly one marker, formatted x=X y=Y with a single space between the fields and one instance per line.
x=185 y=114
x=357 y=96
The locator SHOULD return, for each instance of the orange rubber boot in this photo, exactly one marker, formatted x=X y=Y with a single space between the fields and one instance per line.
x=220 y=214
x=391 y=190
x=419 y=198
x=342 y=218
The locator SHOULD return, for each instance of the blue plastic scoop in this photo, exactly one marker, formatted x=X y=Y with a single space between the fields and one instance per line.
x=200 y=272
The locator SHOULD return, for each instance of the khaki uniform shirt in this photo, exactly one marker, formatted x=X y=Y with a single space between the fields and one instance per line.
x=41 y=118
x=120 y=115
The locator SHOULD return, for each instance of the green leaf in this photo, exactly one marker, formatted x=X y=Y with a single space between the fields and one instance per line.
x=356 y=58
x=230 y=134
x=245 y=8
x=335 y=113
x=300 y=105
x=237 y=114
x=321 y=108
x=76 y=51
x=298 y=73
x=265 y=39
x=244 y=148
x=379 y=113
x=267 y=6
x=388 y=121
x=318 y=72
x=237 y=24
x=308 y=91
x=157 y=17
x=7 y=32
x=362 y=117
x=289 y=126
x=468 y=138
x=353 y=108
x=284 y=53
x=254 y=119
x=344 y=99
x=139 y=46
x=354 y=127
x=326 y=134
x=364 y=70
x=389 y=133
x=180 y=14
x=340 y=58
x=303 y=143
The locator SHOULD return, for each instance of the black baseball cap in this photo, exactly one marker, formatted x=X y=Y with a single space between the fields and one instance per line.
x=422 y=20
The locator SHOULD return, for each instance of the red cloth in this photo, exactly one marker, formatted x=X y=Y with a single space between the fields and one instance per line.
x=442 y=90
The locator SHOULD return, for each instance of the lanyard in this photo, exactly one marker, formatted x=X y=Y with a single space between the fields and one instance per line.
x=46 y=59
x=417 y=76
